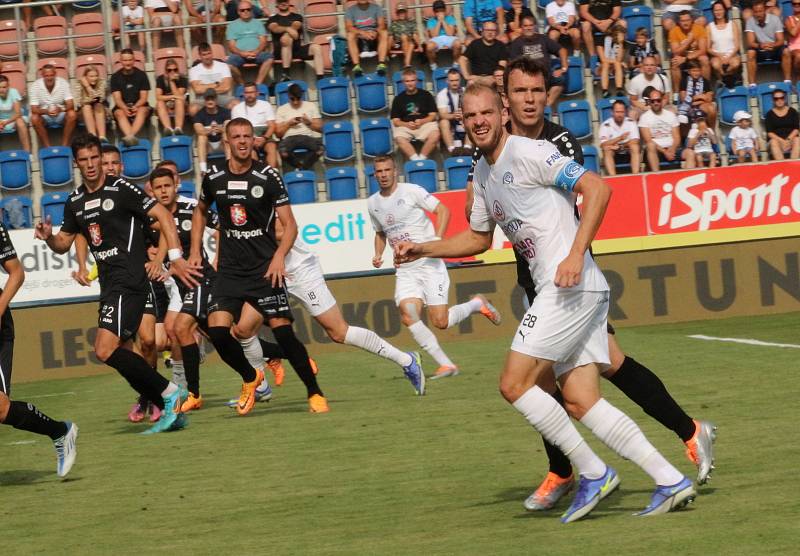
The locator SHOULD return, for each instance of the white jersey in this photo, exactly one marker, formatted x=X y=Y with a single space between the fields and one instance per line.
x=401 y=215
x=299 y=259
x=528 y=193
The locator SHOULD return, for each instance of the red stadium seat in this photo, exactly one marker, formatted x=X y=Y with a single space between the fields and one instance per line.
x=320 y=23
x=217 y=50
x=85 y=24
x=62 y=70
x=138 y=60
x=16 y=73
x=161 y=56
x=8 y=32
x=87 y=60
x=50 y=26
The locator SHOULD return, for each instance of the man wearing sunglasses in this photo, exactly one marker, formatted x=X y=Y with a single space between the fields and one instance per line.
x=659 y=131
x=248 y=44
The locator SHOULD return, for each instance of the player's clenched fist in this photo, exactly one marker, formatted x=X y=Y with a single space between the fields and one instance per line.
x=569 y=272
x=44 y=229
x=406 y=251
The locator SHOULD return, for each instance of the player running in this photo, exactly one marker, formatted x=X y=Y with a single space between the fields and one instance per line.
x=397 y=211
x=22 y=415
x=526 y=188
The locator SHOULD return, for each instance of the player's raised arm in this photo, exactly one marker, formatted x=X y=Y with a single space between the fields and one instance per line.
x=178 y=264
x=58 y=243
x=467 y=243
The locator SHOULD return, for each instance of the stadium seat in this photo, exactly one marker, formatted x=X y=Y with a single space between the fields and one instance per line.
x=705 y=7
x=376 y=136
x=62 y=68
x=342 y=183
x=397 y=81
x=15 y=169
x=161 y=56
x=576 y=116
x=12 y=30
x=636 y=17
x=55 y=165
x=217 y=51
x=16 y=73
x=186 y=188
x=50 y=26
x=372 y=183
x=17 y=212
x=422 y=173
x=89 y=4
x=136 y=159
x=282 y=90
x=339 y=141
x=52 y=205
x=85 y=24
x=138 y=61
x=370 y=93
x=80 y=63
x=456 y=171
x=320 y=23
x=177 y=148
x=301 y=186
x=439 y=77
x=764 y=94
x=604 y=105
x=263 y=92
x=334 y=96
x=574 y=78
x=731 y=101
x=786 y=9
x=591 y=159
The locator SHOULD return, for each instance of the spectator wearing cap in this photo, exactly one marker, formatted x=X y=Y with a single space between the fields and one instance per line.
x=745 y=142
x=536 y=46
x=164 y=13
x=209 y=125
x=765 y=42
x=414 y=118
x=286 y=27
x=129 y=88
x=696 y=93
x=451 y=121
x=11 y=118
x=674 y=8
x=403 y=34
x=702 y=141
x=648 y=78
x=52 y=105
x=658 y=129
x=783 y=127
x=481 y=57
x=367 y=35
x=619 y=140
x=477 y=13
x=248 y=44
x=442 y=32
x=597 y=17
x=210 y=74
x=514 y=16
x=298 y=127
x=688 y=41
x=259 y=113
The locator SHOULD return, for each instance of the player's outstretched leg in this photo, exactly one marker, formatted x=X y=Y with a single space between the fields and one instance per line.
x=298 y=356
x=255 y=356
x=478 y=304
x=273 y=355
x=231 y=352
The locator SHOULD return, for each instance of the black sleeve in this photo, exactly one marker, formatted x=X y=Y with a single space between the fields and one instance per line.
x=397 y=110
x=653 y=49
x=470 y=51
x=114 y=82
x=429 y=104
x=7 y=250
x=212 y=219
x=161 y=83
x=70 y=224
x=683 y=83
x=275 y=189
x=769 y=122
x=503 y=52
x=206 y=192
x=225 y=112
x=183 y=82
x=795 y=118
x=134 y=199
x=552 y=46
x=143 y=81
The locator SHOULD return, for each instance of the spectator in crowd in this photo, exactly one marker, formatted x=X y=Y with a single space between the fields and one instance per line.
x=688 y=41
x=597 y=17
x=765 y=42
x=642 y=47
x=481 y=57
x=133 y=20
x=367 y=35
x=478 y=12
x=619 y=140
x=171 y=90
x=536 y=46
x=674 y=8
x=91 y=95
x=209 y=127
x=403 y=33
x=514 y=17
x=261 y=9
x=259 y=113
x=658 y=129
x=414 y=118
x=724 y=43
x=649 y=77
x=442 y=32
x=695 y=93
x=248 y=44
x=286 y=27
x=562 y=23
x=746 y=8
x=792 y=27
x=27 y=13
x=52 y=104
x=210 y=74
x=783 y=126
x=497 y=75
x=745 y=142
x=164 y=13
x=451 y=122
x=612 y=55
x=11 y=118
x=129 y=89
x=196 y=12
x=702 y=141
x=299 y=124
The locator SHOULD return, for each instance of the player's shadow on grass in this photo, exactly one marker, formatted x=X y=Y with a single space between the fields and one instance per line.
x=19 y=477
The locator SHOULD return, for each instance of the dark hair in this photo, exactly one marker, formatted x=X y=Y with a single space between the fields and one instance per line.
x=165 y=163
x=109 y=148
x=453 y=71
x=692 y=64
x=249 y=84
x=126 y=51
x=203 y=47
x=648 y=92
x=48 y=67
x=531 y=17
x=527 y=66
x=161 y=172
x=171 y=62
x=295 y=91
x=616 y=102
x=724 y=10
x=85 y=141
x=237 y=122
x=643 y=31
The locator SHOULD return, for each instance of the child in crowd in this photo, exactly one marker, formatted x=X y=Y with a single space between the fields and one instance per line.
x=404 y=34
x=643 y=47
x=133 y=19
x=612 y=55
x=703 y=141
x=745 y=142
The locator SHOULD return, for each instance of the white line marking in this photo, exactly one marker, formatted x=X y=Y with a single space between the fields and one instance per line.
x=21 y=442
x=747 y=341
x=52 y=395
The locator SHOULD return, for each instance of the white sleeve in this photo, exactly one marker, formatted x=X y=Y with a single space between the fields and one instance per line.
x=634 y=134
x=553 y=168
x=422 y=198
x=550 y=9
x=225 y=70
x=270 y=112
x=375 y=223
x=605 y=132
x=67 y=91
x=479 y=219
x=35 y=100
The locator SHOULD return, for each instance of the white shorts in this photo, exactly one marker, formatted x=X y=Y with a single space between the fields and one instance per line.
x=309 y=288
x=444 y=41
x=428 y=281
x=567 y=327
x=175 y=298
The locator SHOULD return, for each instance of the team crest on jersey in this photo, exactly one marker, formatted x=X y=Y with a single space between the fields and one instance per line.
x=508 y=177
x=108 y=204
x=498 y=211
x=257 y=191
x=390 y=219
x=238 y=215
x=573 y=169
x=186 y=225
x=95 y=235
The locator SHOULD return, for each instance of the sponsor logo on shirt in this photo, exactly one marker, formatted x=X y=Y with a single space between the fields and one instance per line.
x=95 y=234
x=497 y=210
x=552 y=158
x=93 y=204
x=390 y=219
x=237 y=185
x=238 y=215
x=186 y=225
x=103 y=255
x=508 y=177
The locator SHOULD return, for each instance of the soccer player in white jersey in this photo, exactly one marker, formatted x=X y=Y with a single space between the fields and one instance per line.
x=526 y=187
x=397 y=211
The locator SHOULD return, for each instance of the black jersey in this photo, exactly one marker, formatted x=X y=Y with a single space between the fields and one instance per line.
x=183 y=222
x=7 y=252
x=112 y=219
x=246 y=206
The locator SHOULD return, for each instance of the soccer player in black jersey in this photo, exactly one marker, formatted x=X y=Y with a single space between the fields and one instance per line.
x=525 y=98
x=109 y=212
x=22 y=415
x=250 y=269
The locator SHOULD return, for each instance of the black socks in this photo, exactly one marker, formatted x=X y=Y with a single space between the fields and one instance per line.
x=191 y=367
x=298 y=356
x=26 y=417
x=230 y=350
x=139 y=374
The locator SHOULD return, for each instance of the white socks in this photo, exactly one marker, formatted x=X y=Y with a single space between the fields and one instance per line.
x=252 y=350
x=549 y=418
x=169 y=390
x=457 y=313
x=178 y=374
x=371 y=342
x=425 y=338
x=621 y=434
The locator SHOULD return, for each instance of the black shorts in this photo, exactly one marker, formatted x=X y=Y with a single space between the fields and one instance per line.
x=301 y=52
x=121 y=313
x=231 y=293
x=6 y=359
x=157 y=301
x=196 y=300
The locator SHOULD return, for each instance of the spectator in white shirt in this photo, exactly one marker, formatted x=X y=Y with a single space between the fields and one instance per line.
x=451 y=123
x=259 y=113
x=745 y=142
x=562 y=21
x=133 y=20
x=659 y=131
x=649 y=77
x=52 y=105
x=619 y=140
x=164 y=13
x=210 y=74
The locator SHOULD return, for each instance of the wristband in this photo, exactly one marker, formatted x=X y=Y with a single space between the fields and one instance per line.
x=174 y=254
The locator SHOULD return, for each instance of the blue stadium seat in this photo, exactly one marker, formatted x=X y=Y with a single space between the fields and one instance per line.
x=15 y=169
x=334 y=96
x=591 y=158
x=786 y=9
x=282 y=91
x=301 y=186
x=397 y=81
x=372 y=183
x=371 y=93
x=136 y=159
x=574 y=77
x=705 y=7
x=456 y=171
x=422 y=173
x=17 y=212
x=376 y=136
x=86 y=4
x=604 y=105
x=342 y=183
x=177 y=148
x=55 y=164
x=764 y=94
x=576 y=116
x=440 y=78
x=263 y=92
x=186 y=188
x=52 y=205
x=731 y=101
x=339 y=141
x=638 y=16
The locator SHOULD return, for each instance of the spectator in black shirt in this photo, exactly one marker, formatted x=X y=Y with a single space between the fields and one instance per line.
x=782 y=123
x=536 y=46
x=129 y=89
x=209 y=124
x=171 y=98
x=481 y=57
x=286 y=27
x=414 y=118
x=597 y=17
x=514 y=18
x=643 y=47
